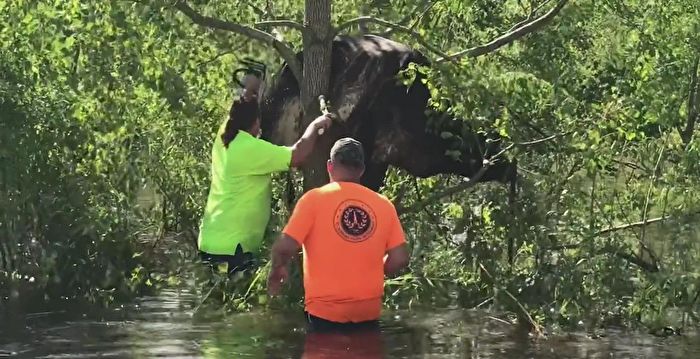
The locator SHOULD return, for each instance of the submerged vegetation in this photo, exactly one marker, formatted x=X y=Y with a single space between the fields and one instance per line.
x=108 y=110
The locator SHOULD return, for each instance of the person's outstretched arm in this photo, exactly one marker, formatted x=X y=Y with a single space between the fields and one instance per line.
x=305 y=145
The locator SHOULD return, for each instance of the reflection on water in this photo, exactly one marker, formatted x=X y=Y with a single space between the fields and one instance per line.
x=364 y=344
x=163 y=326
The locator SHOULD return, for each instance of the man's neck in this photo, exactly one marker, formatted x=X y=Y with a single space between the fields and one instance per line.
x=351 y=180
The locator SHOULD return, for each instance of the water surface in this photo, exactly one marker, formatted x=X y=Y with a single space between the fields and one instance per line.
x=164 y=326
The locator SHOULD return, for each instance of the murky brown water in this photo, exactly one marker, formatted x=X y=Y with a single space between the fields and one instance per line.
x=164 y=326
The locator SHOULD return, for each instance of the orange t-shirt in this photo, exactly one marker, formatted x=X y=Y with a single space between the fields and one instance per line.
x=345 y=230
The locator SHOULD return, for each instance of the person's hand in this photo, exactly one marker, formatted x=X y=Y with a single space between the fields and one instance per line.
x=322 y=123
x=277 y=277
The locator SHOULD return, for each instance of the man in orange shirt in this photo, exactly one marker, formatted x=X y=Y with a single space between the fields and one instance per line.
x=351 y=237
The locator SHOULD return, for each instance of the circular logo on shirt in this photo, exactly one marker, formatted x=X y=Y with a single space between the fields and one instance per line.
x=354 y=221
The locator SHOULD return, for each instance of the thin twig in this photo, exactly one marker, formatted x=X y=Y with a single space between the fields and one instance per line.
x=546 y=139
x=562 y=247
x=623 y=227
x=629 y=164
x=258 y=275
x=218 y=282
x=509 y=37
x=651 y=187
x=499 y=320
x=592 y=206
x=487 y=300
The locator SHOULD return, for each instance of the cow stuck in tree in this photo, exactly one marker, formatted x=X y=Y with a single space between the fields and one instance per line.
x=387 y=116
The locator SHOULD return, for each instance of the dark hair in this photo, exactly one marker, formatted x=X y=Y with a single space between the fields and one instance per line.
x=242 y=116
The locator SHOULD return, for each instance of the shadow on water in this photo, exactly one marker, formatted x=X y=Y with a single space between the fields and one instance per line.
x=163 y=326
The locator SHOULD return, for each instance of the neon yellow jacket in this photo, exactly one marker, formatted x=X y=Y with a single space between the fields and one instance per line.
x=238 y=206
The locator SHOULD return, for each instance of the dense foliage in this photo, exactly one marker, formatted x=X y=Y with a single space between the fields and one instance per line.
x=107 y=111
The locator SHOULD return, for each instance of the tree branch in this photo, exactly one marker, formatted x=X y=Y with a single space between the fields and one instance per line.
x=693 y=104
x=282 y=48
x=281 y=23
x=631 y=225
x=636 y=260
x=509 y=37
x=629 y=164
x=401 y=28
x=639 y=262
x=445 y=193
x=541 y=140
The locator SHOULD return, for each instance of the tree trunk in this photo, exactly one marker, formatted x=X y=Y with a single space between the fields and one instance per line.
x=316 y=80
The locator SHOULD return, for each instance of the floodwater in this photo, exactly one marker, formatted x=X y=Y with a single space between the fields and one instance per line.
x=164 y=326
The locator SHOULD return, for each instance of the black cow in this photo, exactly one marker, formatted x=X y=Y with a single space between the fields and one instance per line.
x=388 y=117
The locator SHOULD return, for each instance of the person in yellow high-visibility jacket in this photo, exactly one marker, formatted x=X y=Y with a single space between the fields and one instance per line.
x=238 y=206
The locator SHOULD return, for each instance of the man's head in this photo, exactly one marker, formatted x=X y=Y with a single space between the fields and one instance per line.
x=243 y=115
x=347 y=162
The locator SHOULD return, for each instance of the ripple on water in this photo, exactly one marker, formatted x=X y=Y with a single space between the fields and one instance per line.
x=163 y=326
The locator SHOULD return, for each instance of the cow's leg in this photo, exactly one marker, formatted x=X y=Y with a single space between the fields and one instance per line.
x=374 y=176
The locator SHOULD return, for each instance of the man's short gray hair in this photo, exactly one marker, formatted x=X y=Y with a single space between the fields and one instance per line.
x=348 y=152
